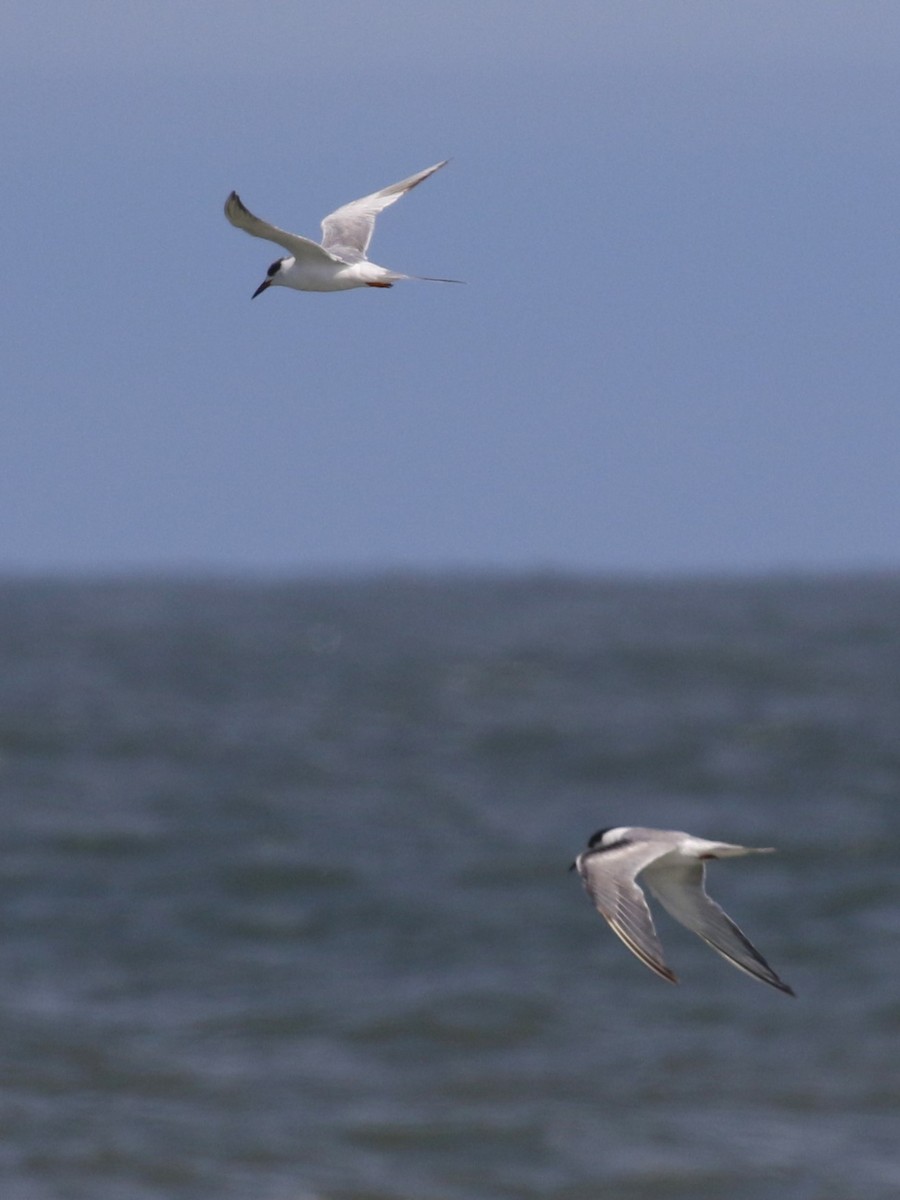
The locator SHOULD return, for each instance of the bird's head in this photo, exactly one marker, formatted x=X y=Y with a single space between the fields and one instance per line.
x=596 y=839
x=604 y=839
x=271 y=276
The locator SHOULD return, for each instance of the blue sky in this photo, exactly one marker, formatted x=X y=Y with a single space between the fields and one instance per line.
x=677 y=348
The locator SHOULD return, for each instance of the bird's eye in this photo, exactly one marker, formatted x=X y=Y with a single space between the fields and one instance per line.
x=274 y=267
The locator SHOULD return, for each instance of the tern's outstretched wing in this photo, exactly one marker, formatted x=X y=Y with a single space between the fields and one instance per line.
x=608 y=875
x=301 y=248
x=348 y=230
x=679 y=888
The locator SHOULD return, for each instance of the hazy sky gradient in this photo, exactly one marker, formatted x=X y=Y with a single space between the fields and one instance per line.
x=677 y=349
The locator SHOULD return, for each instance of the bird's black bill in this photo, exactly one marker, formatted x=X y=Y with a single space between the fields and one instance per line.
x=262 y=287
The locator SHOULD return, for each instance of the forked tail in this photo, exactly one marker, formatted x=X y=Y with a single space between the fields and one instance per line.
x=727 y=850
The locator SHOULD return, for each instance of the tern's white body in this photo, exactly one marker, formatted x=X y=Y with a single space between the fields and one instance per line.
x=672 y=865
x=339 y=262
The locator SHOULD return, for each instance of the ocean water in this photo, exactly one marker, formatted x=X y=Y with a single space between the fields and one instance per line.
x=286 y=911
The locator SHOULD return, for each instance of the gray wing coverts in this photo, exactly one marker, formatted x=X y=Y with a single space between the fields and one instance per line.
x=300 y=247
x=680 y=890
x=348 y=230
x=609 y=881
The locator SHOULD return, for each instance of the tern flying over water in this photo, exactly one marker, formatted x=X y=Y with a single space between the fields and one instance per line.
x=672 y=866
x=340 y=261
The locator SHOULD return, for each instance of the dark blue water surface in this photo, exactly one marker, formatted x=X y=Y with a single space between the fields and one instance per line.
x=286 y=914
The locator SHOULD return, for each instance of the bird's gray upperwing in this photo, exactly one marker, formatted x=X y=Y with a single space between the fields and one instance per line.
x=348 y=230
x=609 y=879
x=303 y=249
x=679 y=889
